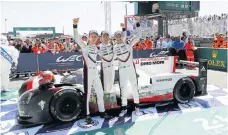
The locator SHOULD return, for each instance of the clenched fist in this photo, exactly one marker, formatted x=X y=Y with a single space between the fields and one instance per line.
x=122 y=25
x=75 y=21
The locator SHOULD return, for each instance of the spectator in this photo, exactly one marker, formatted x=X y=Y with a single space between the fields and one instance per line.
x=148 y=43
x=137 y=46
x=159 y=43
x=190 y=38
x=68 y=47
x=167 y=43
x=178 y=48
x=58 y=45
x=143 y=44
x=50 y=45
x=26 y=47
x=39 y=47
x=18 y=45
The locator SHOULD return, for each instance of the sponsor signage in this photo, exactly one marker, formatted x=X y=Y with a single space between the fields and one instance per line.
x=151 y=63
x=29 y=62
x=217 y=58
x=68 y=59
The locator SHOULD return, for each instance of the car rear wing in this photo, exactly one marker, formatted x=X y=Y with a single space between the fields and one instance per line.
x=201 y=79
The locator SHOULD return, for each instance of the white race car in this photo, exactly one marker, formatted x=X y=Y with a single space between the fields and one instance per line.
x=157 y=81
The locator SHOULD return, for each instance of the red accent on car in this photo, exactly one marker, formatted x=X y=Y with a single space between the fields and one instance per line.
x=55 y=89
x=29 y=84
x=156 y=98
x=192 y=76
x=174 y=63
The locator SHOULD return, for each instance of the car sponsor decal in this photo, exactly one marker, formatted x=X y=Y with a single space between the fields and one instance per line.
x=164 y=80
x=152 y=63
x=154 y=59
x=41 y=104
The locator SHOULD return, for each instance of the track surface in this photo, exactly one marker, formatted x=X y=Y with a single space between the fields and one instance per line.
x=205 y=116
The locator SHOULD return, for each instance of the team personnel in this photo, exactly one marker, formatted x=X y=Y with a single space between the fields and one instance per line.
x=127 y=71
x=107 y=69
x=91 y=75
x=39 y=47
x=190 y=52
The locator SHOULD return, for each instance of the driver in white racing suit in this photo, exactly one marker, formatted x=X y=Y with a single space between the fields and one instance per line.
x=8 y=56
x=107 y=58
x=127 y=71
x=91 y=73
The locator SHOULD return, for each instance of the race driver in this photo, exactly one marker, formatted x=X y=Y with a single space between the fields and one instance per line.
x=91 y=73
x=127 y=71
x=107 y=69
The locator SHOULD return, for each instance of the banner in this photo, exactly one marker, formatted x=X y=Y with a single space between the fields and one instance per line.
x=29 y=62
x=217 y=57
x=48 y=61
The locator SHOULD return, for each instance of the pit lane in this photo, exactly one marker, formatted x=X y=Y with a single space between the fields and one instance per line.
x=149 y=124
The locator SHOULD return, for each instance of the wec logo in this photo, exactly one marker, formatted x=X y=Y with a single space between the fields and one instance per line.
x=71 y=58
x=162 y=53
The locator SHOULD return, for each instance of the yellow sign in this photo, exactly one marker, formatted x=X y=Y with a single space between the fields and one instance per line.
x=214 y=54
x=217 y=63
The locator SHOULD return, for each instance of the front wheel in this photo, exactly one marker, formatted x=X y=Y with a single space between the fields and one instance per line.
x=66 y=105
x=184 y=90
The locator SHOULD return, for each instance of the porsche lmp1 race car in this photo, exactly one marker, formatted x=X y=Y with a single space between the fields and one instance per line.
x=157 y=81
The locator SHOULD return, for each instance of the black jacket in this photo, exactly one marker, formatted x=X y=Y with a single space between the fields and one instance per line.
x=24 y=49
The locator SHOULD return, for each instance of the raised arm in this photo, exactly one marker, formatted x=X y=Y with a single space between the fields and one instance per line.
x=138 y=35
x=77 y=37
x=124 y=32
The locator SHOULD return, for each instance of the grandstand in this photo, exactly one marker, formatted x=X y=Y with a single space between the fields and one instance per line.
x=202 y=27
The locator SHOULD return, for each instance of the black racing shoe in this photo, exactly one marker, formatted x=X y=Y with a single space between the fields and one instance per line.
x=105 y=116
x=123 y=111
x=88 y=120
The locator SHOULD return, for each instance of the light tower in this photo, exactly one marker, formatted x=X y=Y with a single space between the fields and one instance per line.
x=107 y=12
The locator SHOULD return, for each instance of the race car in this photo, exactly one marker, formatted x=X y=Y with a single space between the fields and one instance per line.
x=64 y=101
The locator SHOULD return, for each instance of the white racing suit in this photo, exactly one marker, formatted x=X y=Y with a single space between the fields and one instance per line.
x=127 y=71
x=8 y=56
x=107 y=67
x=91 y=73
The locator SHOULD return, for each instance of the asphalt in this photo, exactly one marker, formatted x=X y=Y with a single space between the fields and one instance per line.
x=217 y=78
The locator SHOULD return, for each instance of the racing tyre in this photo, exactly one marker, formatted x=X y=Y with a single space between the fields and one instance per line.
x=184 y=90
x=66 y=105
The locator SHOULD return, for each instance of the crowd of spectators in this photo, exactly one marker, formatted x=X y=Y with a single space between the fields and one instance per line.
x=204 y=26
x=163 y=42
x=200 y=27
x=53 y=45
x=199 y=19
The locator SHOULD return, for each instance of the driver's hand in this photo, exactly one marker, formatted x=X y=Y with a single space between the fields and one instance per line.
x=75 y=21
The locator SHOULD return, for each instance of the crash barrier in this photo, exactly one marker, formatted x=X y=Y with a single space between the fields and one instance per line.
x=29 y=62
x=217 y=57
